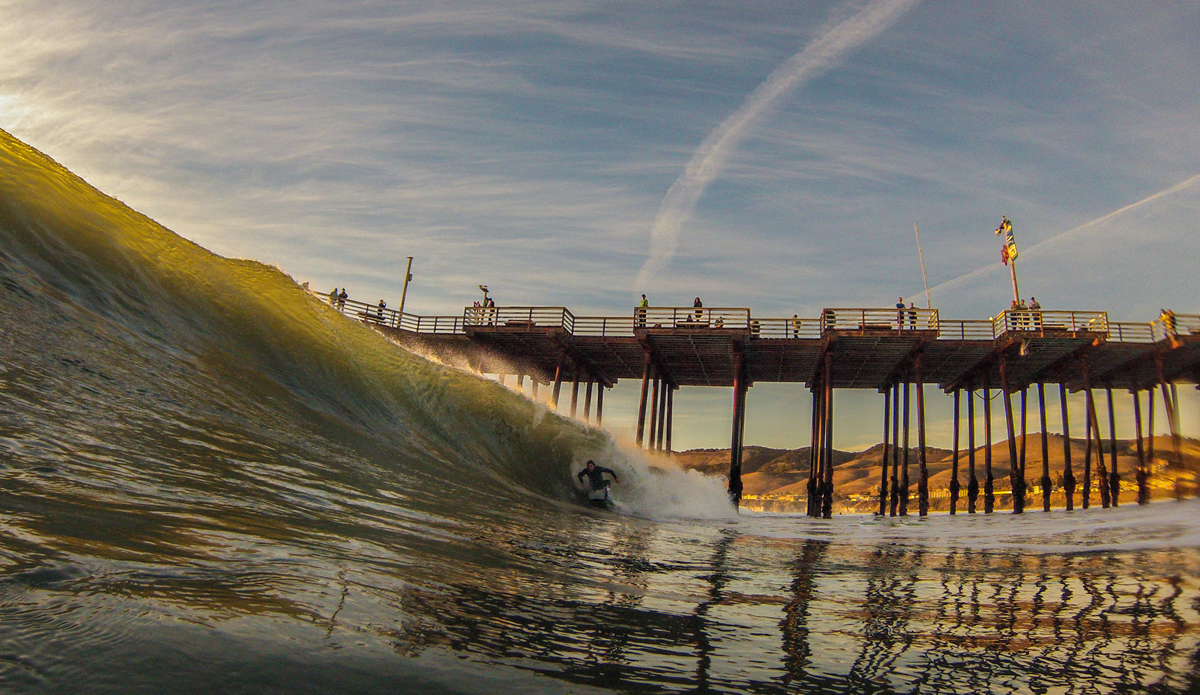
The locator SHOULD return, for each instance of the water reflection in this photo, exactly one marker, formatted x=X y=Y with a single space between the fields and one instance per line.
x=890 y=619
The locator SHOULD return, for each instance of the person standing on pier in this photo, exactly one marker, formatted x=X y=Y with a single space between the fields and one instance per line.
x=699 y=308
x=795 y=326
x=900 y=313
x=642 y=311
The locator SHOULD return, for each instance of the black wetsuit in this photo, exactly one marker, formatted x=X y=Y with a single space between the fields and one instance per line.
x=596 y=477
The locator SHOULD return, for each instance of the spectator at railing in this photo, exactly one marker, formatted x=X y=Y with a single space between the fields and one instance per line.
x=641 y=312
x=900 y=314
x=699 y=308
x=379 y=311
x=795 y=326
x=342 y=297
x=1036 y=309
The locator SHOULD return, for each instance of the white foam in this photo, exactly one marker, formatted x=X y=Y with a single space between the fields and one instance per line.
x=659 y=490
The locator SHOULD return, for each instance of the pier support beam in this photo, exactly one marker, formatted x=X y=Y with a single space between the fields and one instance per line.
x=923 y=473
x=1014 y=465
x=1171 y=405
x=973 y=480
x=883 y=459
x=558 y=374
x=954 y=487
x=654 y=412
x=813 y=486
x=664 y=389
x=670 y=415
x=600 y=405
x=641 y=425
x=1046 y=484
x=735 y=443
x=1068 y=474
x=1142 y=482
x=1023 y=479
x=904 y=455
x=587 y=401
x=827 y=497
x=989 y=481
x=575 y=396
x=521 y=383
x=1114 y=476
x=895 y=494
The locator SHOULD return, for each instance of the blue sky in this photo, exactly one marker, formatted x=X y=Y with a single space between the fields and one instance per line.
x=769 y=155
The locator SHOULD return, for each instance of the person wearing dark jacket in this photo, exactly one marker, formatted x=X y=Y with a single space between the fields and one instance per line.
x=595 y=476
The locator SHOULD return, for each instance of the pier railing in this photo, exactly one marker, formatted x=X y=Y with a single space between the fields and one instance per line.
x=1027 y=321
x=842 y=320
x=520 y=317
x=894 y=319
x=690 y=317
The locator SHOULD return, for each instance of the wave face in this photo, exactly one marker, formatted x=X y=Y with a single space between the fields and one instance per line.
x=210 y=482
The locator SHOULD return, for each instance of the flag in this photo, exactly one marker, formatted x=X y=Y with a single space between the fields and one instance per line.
x=1008 y=252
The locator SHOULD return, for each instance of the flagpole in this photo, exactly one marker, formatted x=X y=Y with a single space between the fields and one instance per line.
x=1012 y=267
x=924 y=277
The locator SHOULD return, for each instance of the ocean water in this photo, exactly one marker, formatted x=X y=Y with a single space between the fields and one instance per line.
x=210 y=482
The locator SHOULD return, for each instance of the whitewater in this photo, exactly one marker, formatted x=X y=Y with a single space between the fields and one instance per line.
x=212 y=482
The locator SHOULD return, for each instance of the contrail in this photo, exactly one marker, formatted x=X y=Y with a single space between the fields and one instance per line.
x=1086 y=226
x=708 y=160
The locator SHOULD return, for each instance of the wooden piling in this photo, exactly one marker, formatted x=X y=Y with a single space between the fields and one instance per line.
x=883 y=464
x=1024 y=448
x=814 y=457
x=1142 y=482
x=575 y=396
x=1046 y=484
x=1114 y=476
x=587 y=402
x=954 y=487
x=1101 y=466
x=653 y=411
x=904 y=456
x=641 y=425
x=989 y=481
x=827 y=497
x=600 y=405
x=1086 y=493
x=972 y=480
x=558 y=375
x=895 y=493
x=1068 y=473
x=1014 y=465
x=534 y=390
x=521 y=383
x=735 y=448
x=670 y=415
x=663 y=414
x=923 y=473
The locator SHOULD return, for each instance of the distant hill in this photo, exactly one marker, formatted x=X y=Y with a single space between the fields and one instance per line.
x=775 y=479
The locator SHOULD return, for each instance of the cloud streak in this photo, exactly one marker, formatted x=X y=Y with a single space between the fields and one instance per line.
x=1076 y=231
x=709 y=158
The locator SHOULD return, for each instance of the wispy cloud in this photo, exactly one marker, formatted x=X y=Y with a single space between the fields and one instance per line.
x=707 y=162
x=1090 y=227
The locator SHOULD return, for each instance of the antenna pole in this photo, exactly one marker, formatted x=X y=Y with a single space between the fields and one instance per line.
x=924 y=277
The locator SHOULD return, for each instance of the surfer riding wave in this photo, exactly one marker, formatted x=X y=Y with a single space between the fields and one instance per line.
x=596 y=487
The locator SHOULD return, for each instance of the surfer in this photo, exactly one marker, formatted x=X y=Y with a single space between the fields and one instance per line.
x=595 y=474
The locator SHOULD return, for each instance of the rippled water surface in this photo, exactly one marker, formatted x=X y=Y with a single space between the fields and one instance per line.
x=210 y=482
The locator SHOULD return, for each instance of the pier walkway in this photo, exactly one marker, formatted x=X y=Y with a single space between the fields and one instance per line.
x=886 y=350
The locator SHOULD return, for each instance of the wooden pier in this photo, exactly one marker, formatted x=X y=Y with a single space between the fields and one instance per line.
x=892 y=351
